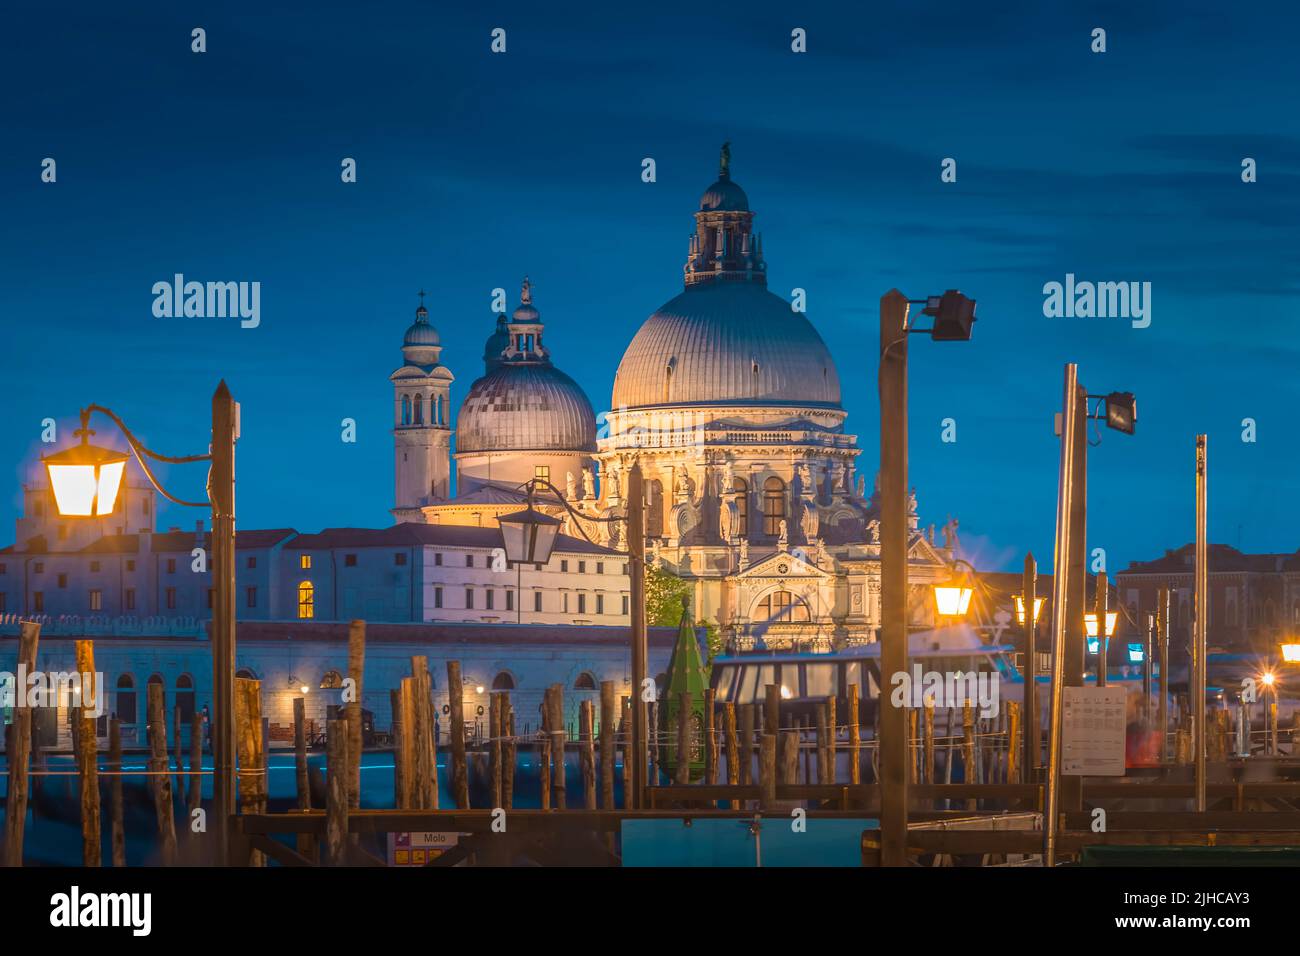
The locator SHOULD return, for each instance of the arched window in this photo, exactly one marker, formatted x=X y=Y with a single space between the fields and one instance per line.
x=332 y=680
x=585 y=682
x=503 y=681
x=306 y=600
x=156 y=679
x=406 y=410
x=783 y=607
x=773 y=505
x=246 y=674
x=126 y=710
x=740 y=488
x=185 y=698
x=418 y=417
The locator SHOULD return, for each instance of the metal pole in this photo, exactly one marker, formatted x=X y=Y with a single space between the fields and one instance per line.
x=1202 y=619
x=893 y=741
x=1060 y=590
x=1148 y=664
x=1162 y=636
x=222 y=494
x=1103 y=639
x=1033 y=744
x=1076 y=636
x=635 y=781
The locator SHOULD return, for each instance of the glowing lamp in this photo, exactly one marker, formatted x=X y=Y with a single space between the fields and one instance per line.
x=1090 y=623
x=1020 y=608
x=85 y=479
x=1268 y=679
x=529 y=536
x=1136 y=653
x=1291 y=653
x=952 y=600
x=785 y=693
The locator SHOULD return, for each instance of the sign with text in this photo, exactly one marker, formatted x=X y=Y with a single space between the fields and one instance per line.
x=418 y=849
x=1092 y=742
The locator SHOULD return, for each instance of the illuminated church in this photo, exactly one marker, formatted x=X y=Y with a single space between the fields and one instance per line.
x=728 y=399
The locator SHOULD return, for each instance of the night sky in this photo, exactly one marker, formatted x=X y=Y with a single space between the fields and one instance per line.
x=475 y=169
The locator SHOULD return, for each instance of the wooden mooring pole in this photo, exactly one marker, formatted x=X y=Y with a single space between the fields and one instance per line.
x=336 y=792
x=733 y=749
x=459 y=769
x=356 y=671
x=607 y=745
x=20 y=750
x=160 y=775
x=587 y=752
x=855 y=738
x=117 y=825
x=251 y=750
x=88 y=754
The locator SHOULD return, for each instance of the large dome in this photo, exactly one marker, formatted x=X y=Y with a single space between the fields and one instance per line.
x=726 y=343
x=525 y=408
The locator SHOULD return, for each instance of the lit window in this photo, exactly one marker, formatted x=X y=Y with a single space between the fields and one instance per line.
x=306 y=600
x=304 y=562
x=97 y=600
x=585 y=682
x=542 y=471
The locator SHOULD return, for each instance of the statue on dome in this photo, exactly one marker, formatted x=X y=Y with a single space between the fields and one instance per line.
x=724 y=162
x=526 y=293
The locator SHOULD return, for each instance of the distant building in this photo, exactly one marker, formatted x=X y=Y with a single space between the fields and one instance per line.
x=1254 y=599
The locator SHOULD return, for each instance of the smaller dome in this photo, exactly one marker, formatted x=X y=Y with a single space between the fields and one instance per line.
x=421 y=334
x=724 y=196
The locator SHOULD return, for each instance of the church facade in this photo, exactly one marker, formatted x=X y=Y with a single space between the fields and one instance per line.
x=729 y=401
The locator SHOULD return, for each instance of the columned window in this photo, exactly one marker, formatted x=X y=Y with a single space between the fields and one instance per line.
x=306 y=600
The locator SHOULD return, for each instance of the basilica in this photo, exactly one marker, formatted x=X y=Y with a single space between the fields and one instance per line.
x=729 y=401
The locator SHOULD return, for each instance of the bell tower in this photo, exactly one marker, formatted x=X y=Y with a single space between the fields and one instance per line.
x=421 y=421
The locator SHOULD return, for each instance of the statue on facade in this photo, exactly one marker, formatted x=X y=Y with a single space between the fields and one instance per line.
x=587 y=492
x=950 y=534
x=685 y=486
x=809 y=521
x=873 y=527
x=862 y=486
x=783 y=539
x=569 y=485
x=726 y=519
x=744 y=553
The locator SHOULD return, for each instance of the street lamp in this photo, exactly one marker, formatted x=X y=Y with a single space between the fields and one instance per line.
x=1291 y=653
x=85 y=478
x=1020 y=608
x=529 y=537
x=953 y=315
x=85 y=481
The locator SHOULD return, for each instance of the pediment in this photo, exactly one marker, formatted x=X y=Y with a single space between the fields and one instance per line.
x=783 y=564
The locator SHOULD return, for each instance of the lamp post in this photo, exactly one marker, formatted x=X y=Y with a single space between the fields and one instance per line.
x=953 y=315
x=1029 y=598
x=85 y=481
x=529 y=537
x=1068 y=582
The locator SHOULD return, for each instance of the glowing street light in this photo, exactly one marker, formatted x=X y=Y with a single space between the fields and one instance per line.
x=528 y=535
x=1090 y=623
x=85 y=478
x=1291 y=653
x=1020 y=608
x=953 y=599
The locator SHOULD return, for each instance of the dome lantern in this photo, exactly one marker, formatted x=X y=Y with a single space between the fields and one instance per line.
x=724 y=246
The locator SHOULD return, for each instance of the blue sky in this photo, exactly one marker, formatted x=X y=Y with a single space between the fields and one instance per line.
x=474 y=169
